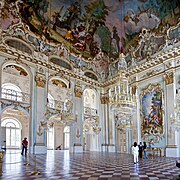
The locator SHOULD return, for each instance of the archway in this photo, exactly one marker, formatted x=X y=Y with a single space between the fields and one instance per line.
x=11 y=127
x=14 y=127
x=66 y=137
x=91 y=119
x=50 y=137
x=12 y=92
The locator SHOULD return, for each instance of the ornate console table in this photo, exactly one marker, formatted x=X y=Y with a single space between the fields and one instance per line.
x=153 y=151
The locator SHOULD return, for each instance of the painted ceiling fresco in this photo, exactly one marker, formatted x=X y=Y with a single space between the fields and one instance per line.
x=90 y=29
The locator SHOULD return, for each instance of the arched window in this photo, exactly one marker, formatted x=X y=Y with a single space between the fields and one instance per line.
x=18 y=45
x=13 y=132
x=90 y=99
x=11 y=91
x=51 y=101
x=50 y=138
x=66 y=137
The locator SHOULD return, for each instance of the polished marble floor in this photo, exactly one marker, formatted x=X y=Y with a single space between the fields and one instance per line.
x=85 y=166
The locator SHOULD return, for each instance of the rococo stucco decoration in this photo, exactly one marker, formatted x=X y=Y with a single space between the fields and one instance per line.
x=81 y=35
x=40 y=80
x=169 y=78
x=152 y=113
x=78 y=90
x=104 y=99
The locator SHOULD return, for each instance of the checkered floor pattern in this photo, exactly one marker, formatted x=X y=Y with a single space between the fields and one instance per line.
x=85 y=166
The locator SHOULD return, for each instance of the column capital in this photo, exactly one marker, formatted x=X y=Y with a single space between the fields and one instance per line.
x=169 y=77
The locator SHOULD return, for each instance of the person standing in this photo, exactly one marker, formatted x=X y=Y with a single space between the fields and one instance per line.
x=135 y=150
x=144 y=149
x=140 y=149
x=24 y=146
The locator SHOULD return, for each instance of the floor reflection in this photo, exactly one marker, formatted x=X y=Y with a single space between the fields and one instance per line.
x=62 y=164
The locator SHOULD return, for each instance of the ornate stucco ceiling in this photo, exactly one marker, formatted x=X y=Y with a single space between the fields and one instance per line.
x=89 y=34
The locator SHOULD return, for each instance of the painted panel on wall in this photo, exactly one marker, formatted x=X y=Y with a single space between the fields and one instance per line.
x=152 y=114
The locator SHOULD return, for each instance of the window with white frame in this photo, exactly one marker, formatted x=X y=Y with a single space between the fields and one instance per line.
x=11 y=91
x=50 y=138
x=13 y=132
x=66 y=137
x=90 y=102
x=51 y=101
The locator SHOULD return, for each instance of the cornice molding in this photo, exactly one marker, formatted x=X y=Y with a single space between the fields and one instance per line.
x=170 y=59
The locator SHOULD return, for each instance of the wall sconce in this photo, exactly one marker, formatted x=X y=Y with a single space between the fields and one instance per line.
x=78 y=134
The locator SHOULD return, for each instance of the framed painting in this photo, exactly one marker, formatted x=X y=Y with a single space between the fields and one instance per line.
x=152 y=113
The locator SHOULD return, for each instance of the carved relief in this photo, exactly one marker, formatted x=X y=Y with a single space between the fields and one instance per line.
x=59 y=83
x=78 y=90
x=40 y=80
x=16 y=70
x=151 y=73
x=169 y=78
x=134 y=88
x=104 y=99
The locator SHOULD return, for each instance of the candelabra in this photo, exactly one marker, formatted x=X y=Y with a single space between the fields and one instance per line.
x=121 y=98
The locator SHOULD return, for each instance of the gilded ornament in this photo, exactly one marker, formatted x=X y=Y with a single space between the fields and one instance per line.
x=78 y=92
x=40 y=80
x=169 y=78
x=104 y=99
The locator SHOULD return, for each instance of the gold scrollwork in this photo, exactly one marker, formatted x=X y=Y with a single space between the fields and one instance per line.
x=169 y=78
x=40 y=80
x=78 y=91
x=104 y=99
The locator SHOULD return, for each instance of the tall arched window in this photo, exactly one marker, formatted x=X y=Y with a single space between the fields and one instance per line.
x=90 y=102
x=11 y=91
x=66 y=137
x=51 y=101
x=50 y=138
x=13 y=132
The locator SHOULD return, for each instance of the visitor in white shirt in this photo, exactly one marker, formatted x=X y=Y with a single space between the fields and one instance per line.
x=135 y=151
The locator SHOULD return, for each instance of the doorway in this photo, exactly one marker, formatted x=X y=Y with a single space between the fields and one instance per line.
x=13 y=130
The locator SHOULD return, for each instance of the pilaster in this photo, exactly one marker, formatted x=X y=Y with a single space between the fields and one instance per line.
x=171 y=147
x=40 y=143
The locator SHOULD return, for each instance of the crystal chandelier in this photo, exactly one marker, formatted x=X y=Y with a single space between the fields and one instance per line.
x=121 y=99
x=175 y=117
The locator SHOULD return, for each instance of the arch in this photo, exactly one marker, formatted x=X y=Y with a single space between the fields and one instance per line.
x=15 y=107
x=5 y=120
x=22 y=65
x=66 y=129
x=92 y=100
x=61 y=62
x=19 y=45
x=66 y=137
x=25 y=68
x=11 y=91
x=91 y=75
x=12 y=129
x=59 y=82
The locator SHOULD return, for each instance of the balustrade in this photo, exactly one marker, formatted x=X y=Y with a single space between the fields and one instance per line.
x=10 y=94
x=90 y=111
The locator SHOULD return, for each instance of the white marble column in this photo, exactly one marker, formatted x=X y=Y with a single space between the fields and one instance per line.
x=171 y=147
x=40 y=103
x=76 y=133
x=105 y=123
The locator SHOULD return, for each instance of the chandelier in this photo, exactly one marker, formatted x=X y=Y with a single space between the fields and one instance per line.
x=175 y=117
x=122 y=100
